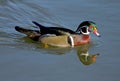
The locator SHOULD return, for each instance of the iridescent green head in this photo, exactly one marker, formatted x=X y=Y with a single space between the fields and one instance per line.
x=86 y=27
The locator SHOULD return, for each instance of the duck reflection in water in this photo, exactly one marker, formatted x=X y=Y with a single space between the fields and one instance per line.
x=85 y=57
x=82 y=52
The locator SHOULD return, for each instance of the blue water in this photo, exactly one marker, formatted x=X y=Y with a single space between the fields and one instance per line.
x=24 y=60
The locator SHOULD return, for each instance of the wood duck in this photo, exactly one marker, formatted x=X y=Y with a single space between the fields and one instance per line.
x=61 y=37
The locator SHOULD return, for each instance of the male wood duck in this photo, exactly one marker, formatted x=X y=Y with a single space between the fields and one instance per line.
x=61 y=37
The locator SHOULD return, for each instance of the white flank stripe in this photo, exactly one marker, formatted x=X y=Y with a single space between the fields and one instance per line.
x=72 y=41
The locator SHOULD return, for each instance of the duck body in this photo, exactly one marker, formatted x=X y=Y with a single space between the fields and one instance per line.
x=57 y=36
x=65 y=41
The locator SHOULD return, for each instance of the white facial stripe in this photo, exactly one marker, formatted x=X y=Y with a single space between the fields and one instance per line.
x=85 y=33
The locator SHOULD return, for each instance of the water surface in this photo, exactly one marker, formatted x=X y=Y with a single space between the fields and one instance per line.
x=23 y=60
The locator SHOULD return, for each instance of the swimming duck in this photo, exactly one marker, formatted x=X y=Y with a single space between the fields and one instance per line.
x=61 y=37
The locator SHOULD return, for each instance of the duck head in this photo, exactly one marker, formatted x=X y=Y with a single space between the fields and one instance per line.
x=86 y=27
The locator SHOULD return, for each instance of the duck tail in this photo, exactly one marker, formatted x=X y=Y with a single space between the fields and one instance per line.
x=28 y=32
x=33 y=34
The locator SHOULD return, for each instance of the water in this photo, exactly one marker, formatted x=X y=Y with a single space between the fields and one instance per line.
x=23 y=60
